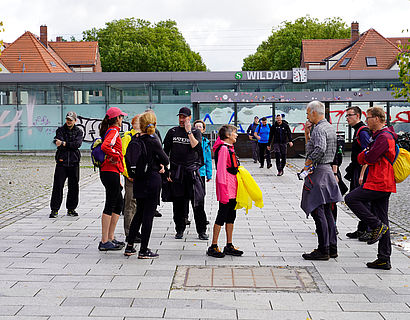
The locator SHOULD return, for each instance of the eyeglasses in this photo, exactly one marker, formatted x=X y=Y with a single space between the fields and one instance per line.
x=350 y=115
x=367 y=118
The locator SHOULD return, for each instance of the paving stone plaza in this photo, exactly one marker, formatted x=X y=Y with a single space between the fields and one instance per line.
x=51 y=269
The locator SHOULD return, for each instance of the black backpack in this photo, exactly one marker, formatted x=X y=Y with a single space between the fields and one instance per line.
x=136 y=158
x=233 y=169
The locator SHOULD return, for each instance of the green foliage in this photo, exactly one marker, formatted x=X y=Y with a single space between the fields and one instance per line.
x=135 y=45
x=403 y=60
x=1 y=41
x=281 y=51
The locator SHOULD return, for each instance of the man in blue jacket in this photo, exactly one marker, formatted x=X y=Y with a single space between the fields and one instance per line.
x=262 y=132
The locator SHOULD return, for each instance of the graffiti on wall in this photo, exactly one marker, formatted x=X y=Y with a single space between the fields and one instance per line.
x=90 y=127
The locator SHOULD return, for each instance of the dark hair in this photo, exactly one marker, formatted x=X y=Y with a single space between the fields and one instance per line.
x=226 y=130
x=105 y=124
x=356 y=110
x=264 y=119
x=255 y=117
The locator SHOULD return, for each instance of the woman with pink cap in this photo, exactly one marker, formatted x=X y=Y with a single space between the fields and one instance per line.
x=110 y=172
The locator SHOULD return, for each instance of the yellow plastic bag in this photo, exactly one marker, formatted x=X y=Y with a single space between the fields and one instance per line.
x=401 y=166
x=248 y=191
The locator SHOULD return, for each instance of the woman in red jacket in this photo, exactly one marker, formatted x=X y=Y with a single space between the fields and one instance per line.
x=110 y=172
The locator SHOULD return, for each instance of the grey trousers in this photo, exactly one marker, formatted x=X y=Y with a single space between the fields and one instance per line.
x=130 y=206
x=325 y=227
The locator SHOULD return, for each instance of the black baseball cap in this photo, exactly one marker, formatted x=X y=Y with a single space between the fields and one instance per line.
x=184 y=111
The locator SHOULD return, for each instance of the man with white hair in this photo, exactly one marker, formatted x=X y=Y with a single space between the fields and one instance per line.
x=320 y=188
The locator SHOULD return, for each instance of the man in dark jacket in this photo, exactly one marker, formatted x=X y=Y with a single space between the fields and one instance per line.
x=251 y=134
x=281 y=136
x=68 y=140
x=183 y=146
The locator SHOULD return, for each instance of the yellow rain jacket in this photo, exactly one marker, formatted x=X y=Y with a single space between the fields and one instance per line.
x=125 y=141
x=248 y=191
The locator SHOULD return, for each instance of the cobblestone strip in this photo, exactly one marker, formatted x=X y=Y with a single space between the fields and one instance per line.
x=20 y=211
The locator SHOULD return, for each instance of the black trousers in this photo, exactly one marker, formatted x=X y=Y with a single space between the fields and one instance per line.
x=60 y=176
x=264 y=153
x=143 y=218
x=280 y=150
x=325 y=227
x=181 y=210
x=358 y=200
x=354 y=183
x=255 y=150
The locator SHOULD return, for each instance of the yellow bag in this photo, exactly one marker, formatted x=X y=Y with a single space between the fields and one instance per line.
x=401 y=165
x=248 y=191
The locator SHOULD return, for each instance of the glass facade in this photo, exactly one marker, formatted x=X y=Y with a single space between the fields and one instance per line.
x=31 y=111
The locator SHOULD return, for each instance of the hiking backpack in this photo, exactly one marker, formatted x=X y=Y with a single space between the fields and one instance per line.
x=233 y=169
x=136 y=158
x=97 y=155
x=401 y=163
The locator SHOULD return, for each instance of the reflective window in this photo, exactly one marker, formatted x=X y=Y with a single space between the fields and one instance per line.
x=123 y=93
x=171 y=93
x=8 y=94
x=84 y=93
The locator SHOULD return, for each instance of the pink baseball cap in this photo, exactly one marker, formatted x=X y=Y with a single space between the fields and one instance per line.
x=115 y=112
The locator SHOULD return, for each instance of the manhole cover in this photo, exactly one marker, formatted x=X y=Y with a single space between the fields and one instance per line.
x=273 y=278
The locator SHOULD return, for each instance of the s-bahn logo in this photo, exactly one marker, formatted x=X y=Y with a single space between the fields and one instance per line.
x=238 y=75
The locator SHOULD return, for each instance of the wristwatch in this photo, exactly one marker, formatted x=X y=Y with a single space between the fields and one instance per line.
x=189 y=132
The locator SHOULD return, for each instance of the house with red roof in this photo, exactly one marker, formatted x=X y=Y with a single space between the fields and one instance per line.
x=30 y=53
x=367 y=51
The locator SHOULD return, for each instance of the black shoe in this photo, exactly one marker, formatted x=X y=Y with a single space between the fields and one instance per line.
x=179 y=235
x=108 y=246
x=147 y=254
x=118 y=243
x=354 y=235
x=129 y=251
x=203 y=236
x=187 y=222
x=269 y=166
x=366 y=236
x=215 y=252
x=157 y=214
x=333 y=251
x=261 y=166
x=316 y=255
x=378 y=233
x=379 y=264
x=72 y=213
x=53 y=214
x=280 y=173
x=232 y=251
x=255 y=161
x=207 y=222
x=337 y=231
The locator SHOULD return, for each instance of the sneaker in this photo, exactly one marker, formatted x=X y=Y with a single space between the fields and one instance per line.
x=366 y=236
x=179 y=235
x=108 y=246
x=187 y=222
x=232 y=251
x=269 y=166
x=379 y=264
x=72 y=213
x=378 y=233
x=53 y=214
x=203 y=236
x=215 y=252
x=316 y=255
x=147 y=254
x=129 y=251
x=157 y=214
x=354 y=235
x=333 y=251
x=118 y=243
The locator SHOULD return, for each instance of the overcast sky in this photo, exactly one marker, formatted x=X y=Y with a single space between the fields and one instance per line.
x=224 y=32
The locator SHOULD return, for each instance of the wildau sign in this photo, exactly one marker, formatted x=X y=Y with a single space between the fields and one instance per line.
x=263 y=75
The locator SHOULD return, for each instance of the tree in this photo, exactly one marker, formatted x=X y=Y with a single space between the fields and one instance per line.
x=403 y=60
x=1 y=41
x=136 y=45
x=281 y=51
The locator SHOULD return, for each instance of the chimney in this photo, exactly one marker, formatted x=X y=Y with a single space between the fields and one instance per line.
x=59 y=39
x=43 y=35
x=354 y=32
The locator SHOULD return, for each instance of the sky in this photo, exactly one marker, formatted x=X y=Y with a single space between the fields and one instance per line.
x=224 y=32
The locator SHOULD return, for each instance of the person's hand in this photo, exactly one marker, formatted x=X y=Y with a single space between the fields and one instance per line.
x=58 y=142
x=130 y=179
x=308 y=126
x=169 y=179
x=360 y=180
x=207 y=180
x=250 y=137
x=257 y=137
x=268 y=147
x=290 y=144
x=337 y=179
x=162 y=169
x=187 y=125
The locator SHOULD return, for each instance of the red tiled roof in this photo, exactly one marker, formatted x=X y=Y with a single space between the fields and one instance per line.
x=370 y=44
x=28 y=54
x=76 y=53
x=315 y=50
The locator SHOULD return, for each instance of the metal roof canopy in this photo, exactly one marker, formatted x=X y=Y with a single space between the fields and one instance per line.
x=289 y=97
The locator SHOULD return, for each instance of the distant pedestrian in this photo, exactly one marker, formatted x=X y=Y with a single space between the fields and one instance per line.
x=130 y=204
x=226 y=190
x=254 y=142
x=320 y=188
x=68 y=140
x=262 y=132
x=183 y=145
x=281 y=136
x=380 y=183
x=147 y=188
x=110 y=172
